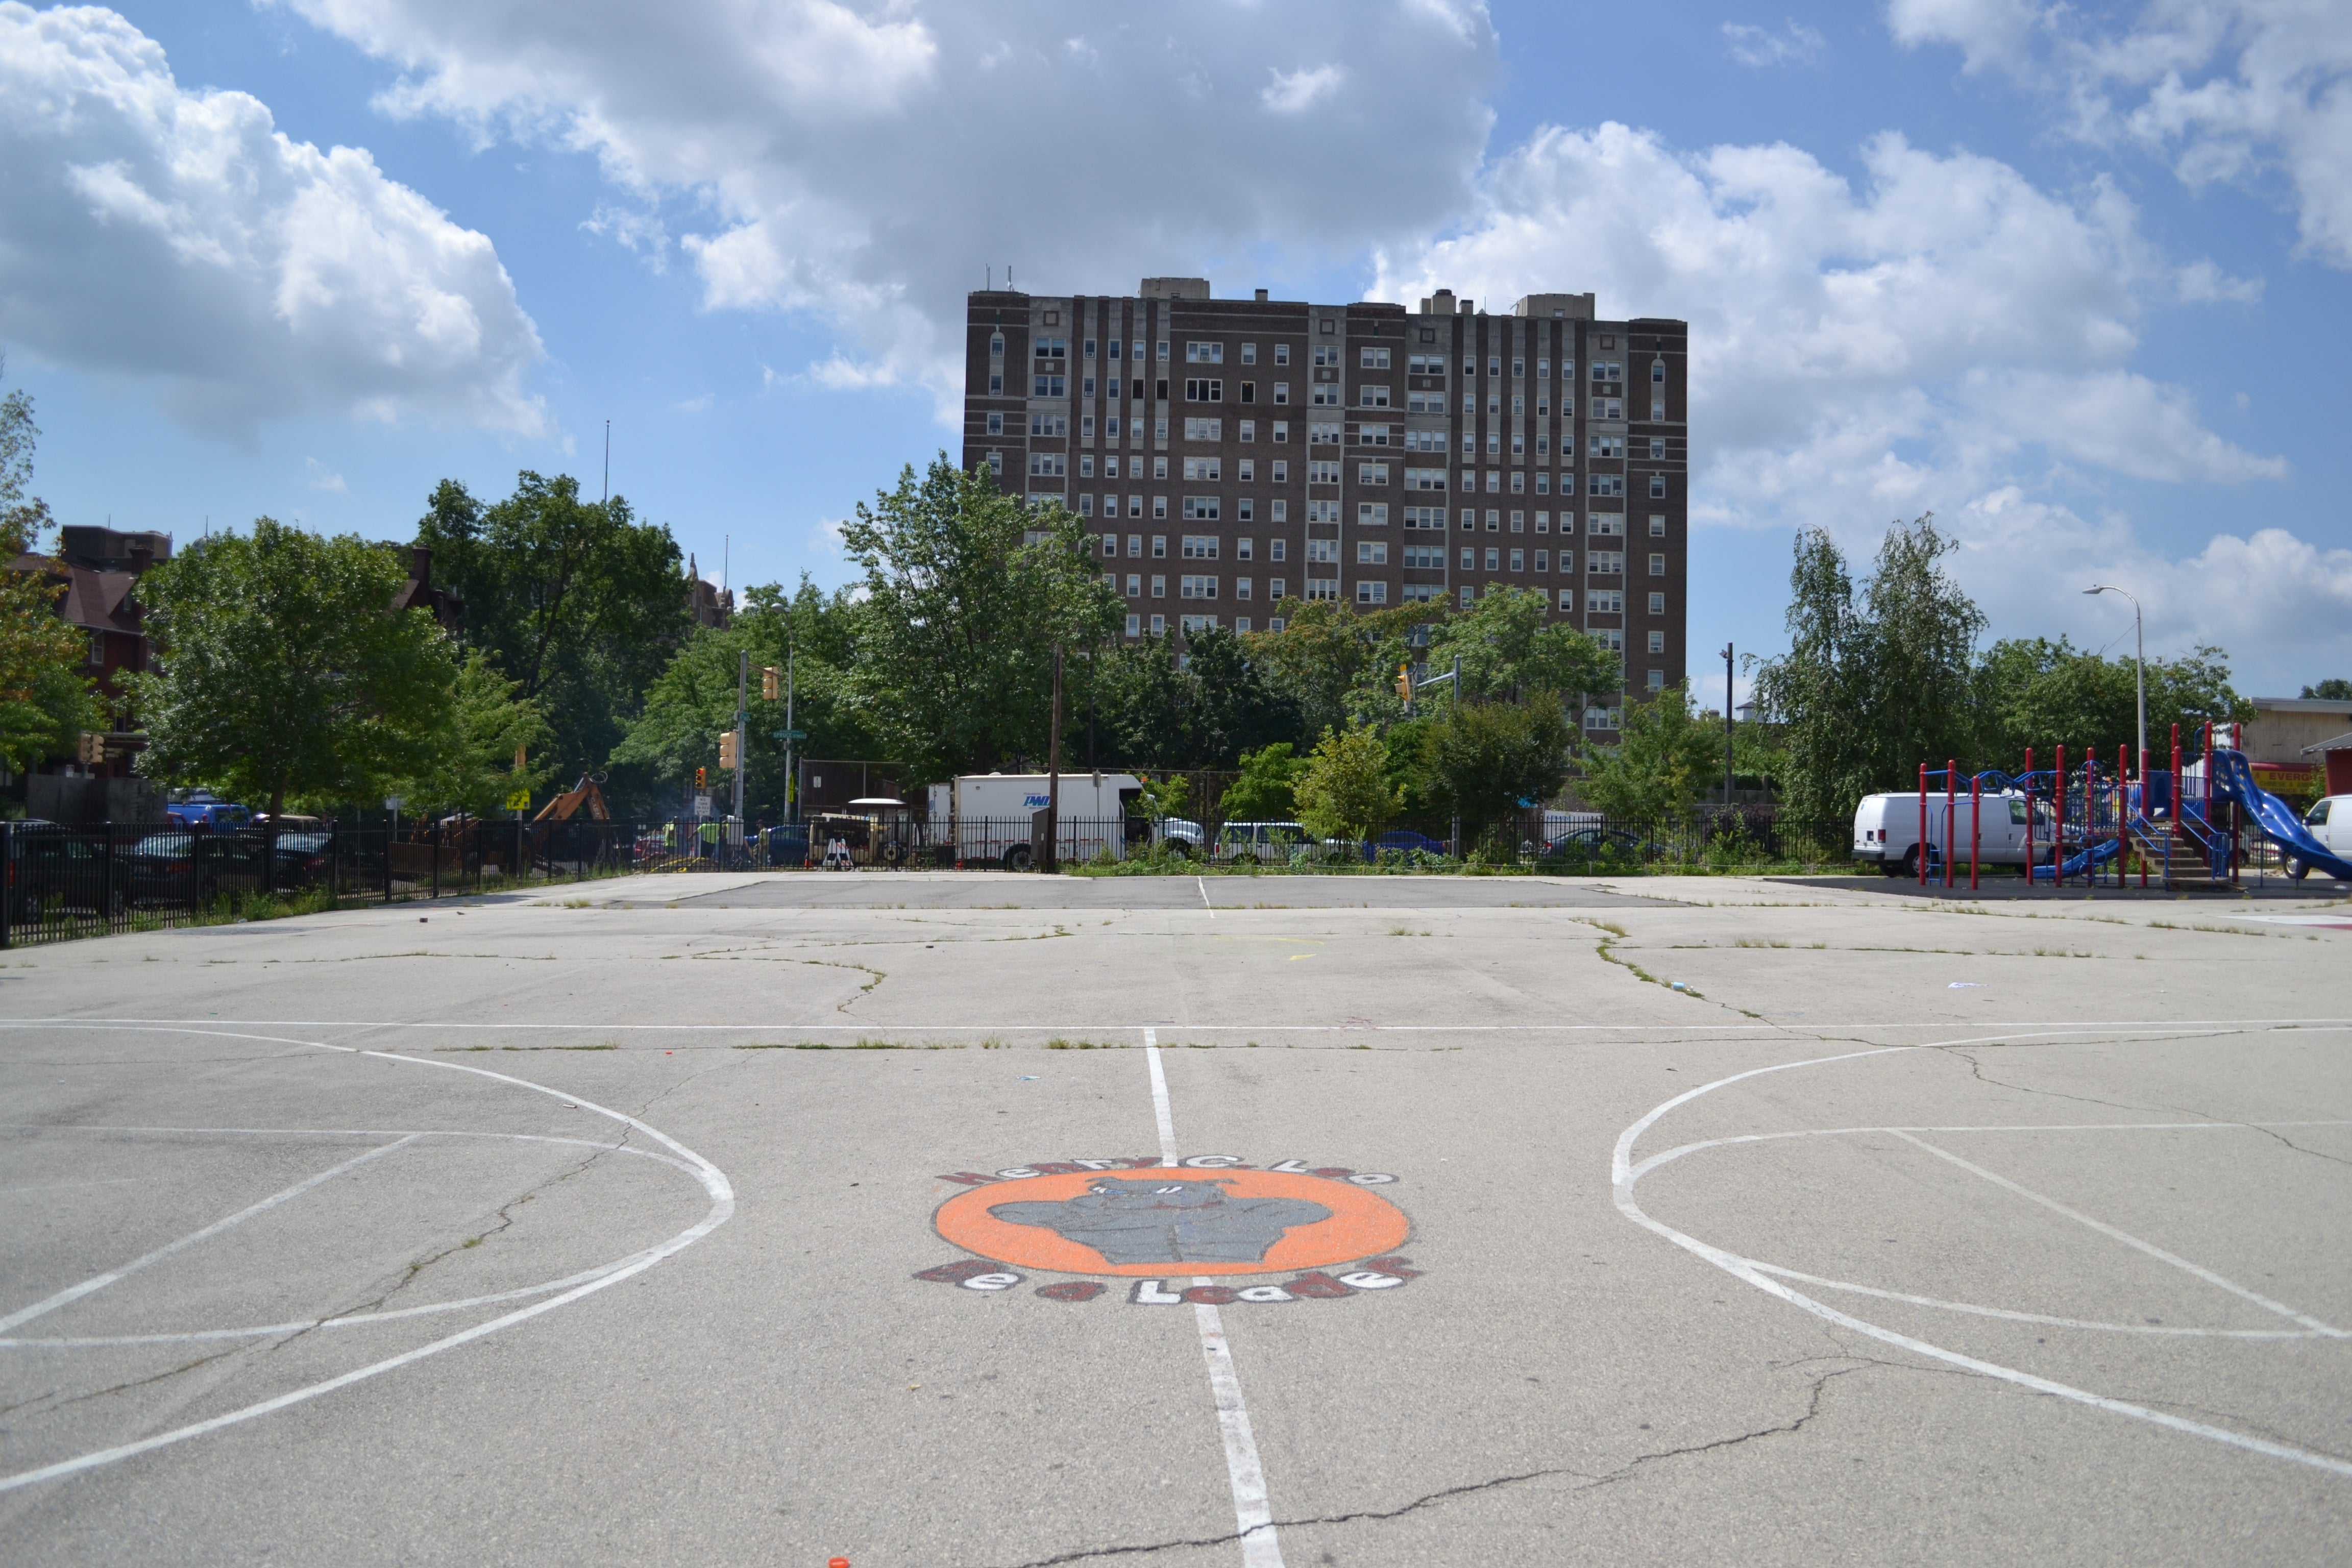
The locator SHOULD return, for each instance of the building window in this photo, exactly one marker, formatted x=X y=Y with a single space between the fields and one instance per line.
x=1159 y=468
x=1281 y=354
x=1281 y=470
x=1372 y=593
x=1657 y=373
x=1604 y=601
x=1160 y=626
x=1134 y=624
x=1204 y=468
x=1196 y=587
x=1605 y=484
x=1371 y=514
x=1051 y=465
x=1543 y=560
x=1469 y=558
x=1543 y=483
x=1373 y=359
x=1371 y=473
x=1201 y=390
x=1277 y=589
x=1518 y=522
x=1160 y=547
x=1371 y=434
x=1159 y=588
x=1277 y=549
x=1281 y=392
x=996 y=424
x=1241 y=588
x=1657 y=681
x=1323 y=550
x=1658 y=487
x=1494 y=522
x=1519 y=480
x=1242 y=624
x=1244 y=509
x=1469 y=597
x=1518 y=560
x=1087 y=467
x=1322 y=473
x=1134 y=545
x=1282 y=430
x=1050 y=386
x=1657 y=604
x=1199 y=547
x=1657 y=565
x=1249 y=429
x=1322 y=511
x=1163 y=350
x=1604 y=563
x=1657 y=642
x=1325 y=434
x=1493 y=560
x=1372 y=398
x=1203 y=430
x=1323 y=589
x=1249 y=353
x=1135 y=506
x=1134 y=586
x=1086 y=506
x=996 y=464
x=1494 y=481
x=1425 y=557
x=1204 y=353
x=1371 y=552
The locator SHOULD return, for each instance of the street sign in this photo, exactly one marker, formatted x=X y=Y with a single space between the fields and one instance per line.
x=702 y=805
x=520 y=800
x=789 y=734
x=392 y=803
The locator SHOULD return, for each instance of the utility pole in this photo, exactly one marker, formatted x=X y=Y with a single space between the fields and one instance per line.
x=791 y=768
x=742 y=724
x=2140 y=651
x=1728 y=745
x=1456 y=678
x=1051 y=861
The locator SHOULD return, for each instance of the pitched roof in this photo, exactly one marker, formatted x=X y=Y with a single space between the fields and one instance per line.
x=2341 y=744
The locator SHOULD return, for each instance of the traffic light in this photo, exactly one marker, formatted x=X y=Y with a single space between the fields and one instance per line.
x=772 y=682
x=1405 y=683
x=701 y=778
x=727 y=758
x=92 y=747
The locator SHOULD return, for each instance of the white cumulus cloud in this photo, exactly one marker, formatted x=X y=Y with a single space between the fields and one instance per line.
x=151 y=232
x=1793 y=45
x=864 y=164
x=2237 y=90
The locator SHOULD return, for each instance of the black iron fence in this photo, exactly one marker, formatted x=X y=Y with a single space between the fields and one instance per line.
x=65 y=882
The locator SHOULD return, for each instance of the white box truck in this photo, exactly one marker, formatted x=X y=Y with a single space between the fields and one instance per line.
x=1886 y=831
x=994 y=816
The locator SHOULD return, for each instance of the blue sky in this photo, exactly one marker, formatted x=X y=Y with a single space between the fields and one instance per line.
x=2074 y=279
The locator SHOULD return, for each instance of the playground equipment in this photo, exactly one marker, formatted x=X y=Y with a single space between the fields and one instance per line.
x=2089 y=823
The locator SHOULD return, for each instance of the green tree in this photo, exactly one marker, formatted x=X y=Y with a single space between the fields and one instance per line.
x=1483 y=760
x=1264 y=791
x=45 y=700
x=473 y=770
x=577 y=602
x=1511 y=651
x=1869 y=691
x=1333 y=664
x=1343 y=792
x=1152 y=710
x=966 y=592
x=2044 y=694
x=691 y=703
x=1665 y=756
x=2335 y=688
x=285 y=674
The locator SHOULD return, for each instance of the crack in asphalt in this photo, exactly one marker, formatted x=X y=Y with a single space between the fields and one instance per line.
x=1589 y=1480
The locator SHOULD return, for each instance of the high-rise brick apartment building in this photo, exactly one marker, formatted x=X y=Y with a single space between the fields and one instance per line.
x=1230 y=454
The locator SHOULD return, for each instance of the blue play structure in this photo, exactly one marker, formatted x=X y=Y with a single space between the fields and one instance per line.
x=2179 y=827
x=2234 y=777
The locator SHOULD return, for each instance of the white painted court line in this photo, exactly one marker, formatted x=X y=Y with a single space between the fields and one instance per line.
x=1625 y=1176
x=101 y=1281
x=2197 y=1269
x=714 y=1183
x=1765 y=1028
x=1202 y=883
x=1253 y=1507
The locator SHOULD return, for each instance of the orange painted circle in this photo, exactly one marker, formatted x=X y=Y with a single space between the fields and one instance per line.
x=1358 y=1223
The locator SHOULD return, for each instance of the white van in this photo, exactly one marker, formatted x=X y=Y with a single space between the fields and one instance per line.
x=991 y=816
x=2330 y=821
x=1886 y=831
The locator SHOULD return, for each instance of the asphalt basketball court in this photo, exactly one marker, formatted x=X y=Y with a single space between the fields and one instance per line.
x=1350 y=1221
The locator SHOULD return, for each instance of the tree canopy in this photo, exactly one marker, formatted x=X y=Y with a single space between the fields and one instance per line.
x=45 y=700
x=286 y=675
x=965 y=594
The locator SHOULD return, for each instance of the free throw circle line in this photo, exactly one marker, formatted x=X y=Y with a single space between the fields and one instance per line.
x=714 y=1183
x=1623 y=1180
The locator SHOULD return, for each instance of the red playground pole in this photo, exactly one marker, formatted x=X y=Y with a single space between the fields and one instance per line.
x=2123 y=804
x=1951 y=806
x=1976 y=826
x=2028 y=792
x=2058 y=833
x=1923 y=825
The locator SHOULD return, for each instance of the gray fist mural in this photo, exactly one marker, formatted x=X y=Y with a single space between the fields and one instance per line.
x=1145 y=1219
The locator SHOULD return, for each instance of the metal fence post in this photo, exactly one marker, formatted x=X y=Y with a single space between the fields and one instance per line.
x=8 y=889
x=436 y=860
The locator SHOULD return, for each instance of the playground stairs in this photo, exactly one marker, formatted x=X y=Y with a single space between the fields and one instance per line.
x=2187 y=867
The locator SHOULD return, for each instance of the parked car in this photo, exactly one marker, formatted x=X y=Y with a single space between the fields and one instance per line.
x=1248 y=842
x=1599 y=843
x=181 y=865
x=52 y=869
x=1403 y=840
x=204 y=811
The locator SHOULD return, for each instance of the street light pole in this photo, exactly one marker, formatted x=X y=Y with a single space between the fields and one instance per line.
x=2139 y=649
x=1728 y=749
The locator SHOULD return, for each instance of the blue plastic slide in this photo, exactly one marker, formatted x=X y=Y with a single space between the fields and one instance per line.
x=2234 y=777
x=2079 y=863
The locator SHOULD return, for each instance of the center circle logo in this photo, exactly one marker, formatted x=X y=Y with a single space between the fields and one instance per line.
x=1156 y=1222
